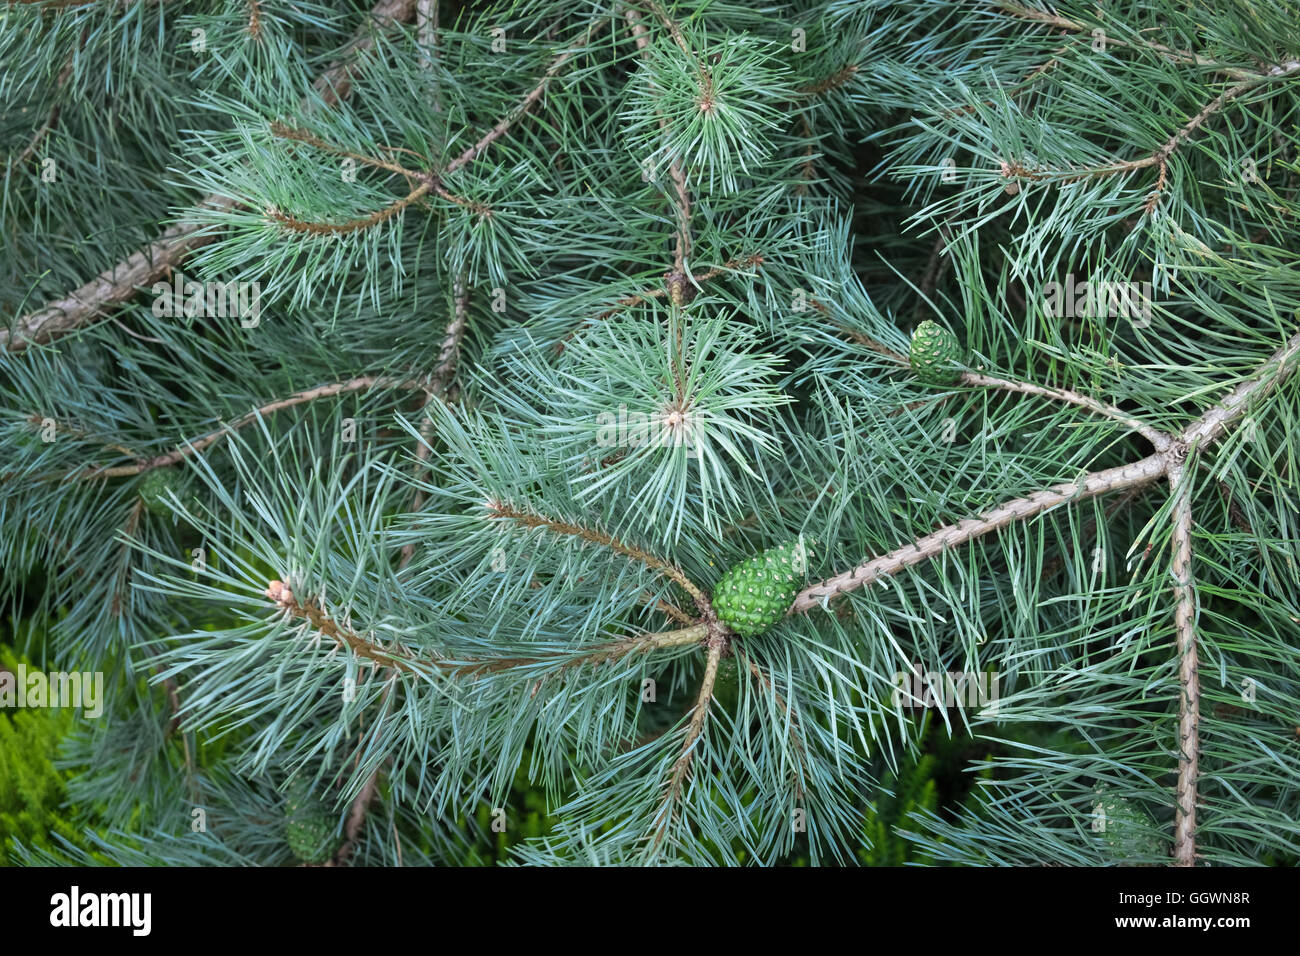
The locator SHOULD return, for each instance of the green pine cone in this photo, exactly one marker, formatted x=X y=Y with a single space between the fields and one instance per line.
x=1127 y=829
x=757 y=592
x=933 y=354
x=154 y=487
x=309 y=827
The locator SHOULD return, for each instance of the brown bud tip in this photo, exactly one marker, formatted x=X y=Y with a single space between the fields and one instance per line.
x=279 y=592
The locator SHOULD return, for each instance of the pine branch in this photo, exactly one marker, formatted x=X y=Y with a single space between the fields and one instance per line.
x=190 y=448
x=1138 y=473
x=682 y=208
x=1168 y=463
x=377 y=218
x=111 y=287
x=124 y=562
x=335 y=84
x=282 y=595
x=448 y=359
x=429 y=182
x=1189 y=701
x=356 y=820
x=1181 y=57
x=50 y=121
x=694 y=730
x=658 y=292
x=1160 y=158
x=527 y=103
x=120 y=282
x=531 y=520
x=177 y=455
x=1200 y=435
x=1159 y=440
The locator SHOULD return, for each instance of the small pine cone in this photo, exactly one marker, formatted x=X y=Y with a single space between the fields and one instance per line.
x=757 y=592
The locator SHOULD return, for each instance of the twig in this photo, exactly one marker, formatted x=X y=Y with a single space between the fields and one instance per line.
x=1159 y=158
x=1189 y=701
x=428 y=181
x=1158 y=439
x=50 y=121
x=928 y=546
x=530 y=519
x=694 y=730
x=178 y=455
x=283 y=597
x=526 y=104
x=356 y=819
x=682 y=201
x=1200 y=434
x=448 y=358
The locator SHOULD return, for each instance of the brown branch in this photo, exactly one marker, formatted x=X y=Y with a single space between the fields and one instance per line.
x=658 y=292
x=837 y=79
x=427 y=179
x=676 y=613
x=1159 y=158
x=113 y=286
x=498 y=510
x=1169 y=53
x=300 y=135
x=356 y=819
x=50 y=121
x=1158 y=439
x=335 y=84
x=526 y=104
x=120 y=282
x=345 y=638
x=935 y=266
x=178 y=455
x=694 y=730
x=1202 y=433
x=428 y=182
x=1189 y=701
x=376 y=218
x=443 y=374
x=124 y=565
x=1170 y=464
x=682 y=201
x=361 y=803
x=929 y=546
x=861 y=338
x=1210 y=427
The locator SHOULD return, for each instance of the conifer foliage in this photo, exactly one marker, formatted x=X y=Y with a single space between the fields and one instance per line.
x=399 y=398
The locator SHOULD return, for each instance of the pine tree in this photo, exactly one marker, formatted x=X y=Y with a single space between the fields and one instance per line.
x=386 y=393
